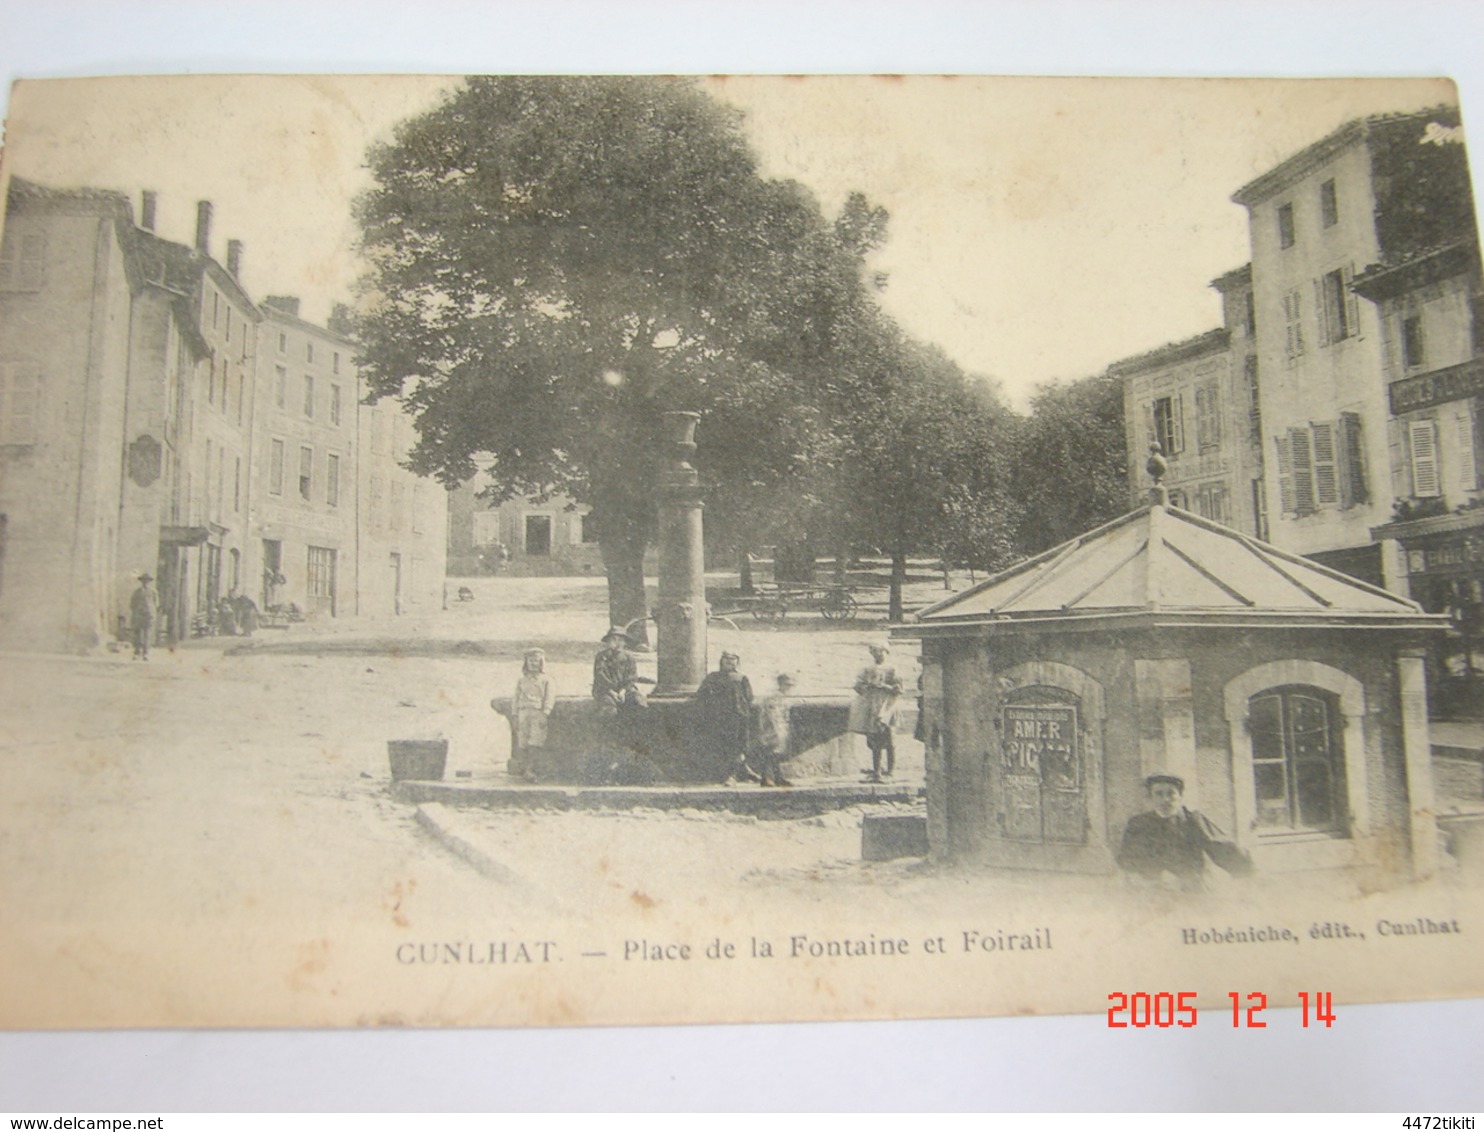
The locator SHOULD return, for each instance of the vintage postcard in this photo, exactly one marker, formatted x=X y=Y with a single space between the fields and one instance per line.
x=496 y=550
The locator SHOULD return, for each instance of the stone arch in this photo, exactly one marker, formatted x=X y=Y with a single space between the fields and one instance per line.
x=1350 y=693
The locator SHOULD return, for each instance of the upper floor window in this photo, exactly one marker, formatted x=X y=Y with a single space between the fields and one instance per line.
x=306 y=472
x=1286 y=237
x=1169 y=424
x=335 y=362
x=283 y=342
x=22 y=261
x=275 y=469
x=309 y=351
x=1422 y=440
x=308 y=397
x=1321 y=466
x=335 y=405
x=1414 y=352
x=1337 y=306
x=332 y=481
x=281 y=388
x=1250 y=302
x=1329 y=204
x=20 y=397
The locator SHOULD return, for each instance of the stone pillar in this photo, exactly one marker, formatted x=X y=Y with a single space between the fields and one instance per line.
x=680 y=616
x=1417 y=754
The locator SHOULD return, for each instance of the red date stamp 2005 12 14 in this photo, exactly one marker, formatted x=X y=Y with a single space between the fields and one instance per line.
x=1166 y=1009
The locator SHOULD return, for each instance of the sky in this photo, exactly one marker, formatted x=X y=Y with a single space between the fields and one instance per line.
x=1041 y=228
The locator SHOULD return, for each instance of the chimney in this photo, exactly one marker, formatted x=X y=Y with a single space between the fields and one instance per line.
x=147 y=201
x=234 y=258
x=203 y=227
x=289 y=304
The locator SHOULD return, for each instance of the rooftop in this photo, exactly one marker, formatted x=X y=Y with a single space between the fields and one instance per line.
x=1165 y=561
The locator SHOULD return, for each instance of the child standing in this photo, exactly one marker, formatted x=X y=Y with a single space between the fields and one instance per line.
x=535 y=696
x=773 y=733
x=874 y=710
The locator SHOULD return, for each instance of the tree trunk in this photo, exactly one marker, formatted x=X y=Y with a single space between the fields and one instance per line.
x=842 y=562
x=744 y=571
x=898 y=577
x=623 y=560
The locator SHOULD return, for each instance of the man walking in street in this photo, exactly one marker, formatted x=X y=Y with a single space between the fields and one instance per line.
x=144 y=613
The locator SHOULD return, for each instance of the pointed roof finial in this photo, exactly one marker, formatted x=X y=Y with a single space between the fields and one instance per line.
x=1157 y=467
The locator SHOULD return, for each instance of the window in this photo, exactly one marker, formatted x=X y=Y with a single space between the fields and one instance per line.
x=308 y=397
x=417 y=507
x=1169 y=427
x=216 y=310
x=373 y=502
x=1468 y=465
x=335 y=405
x=1285 y=226
x=241 y=390
x=281 y=388
x=1293 y=318
x=229 y=324
x=306 y=472
x=332 y=481
x=22 y=261
x=1326 y=474
x=587 y=528
x=1423 y=441
x=1250 y=301
x=1208 y=418
x=275 y=469
x=221 y=480
x=283 y=342
x=1329 y=205
x=1297 y=764
x=237 y=487
x=1260 y=509
x=1213 y=501
x=335 y=363
x=211 y=384
x=309 y=351
x=321 y=572
x=224 y=387
x=20 y=397
x=1337 y=307
x=206 y=480
x=394 y=522
x=1414 y=352
x=1321 y=466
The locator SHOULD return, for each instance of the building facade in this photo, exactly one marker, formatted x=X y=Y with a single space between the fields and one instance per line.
x=529 y=536
x=1317 y=221
x=1430 y=312
x=154 y=419
x=1197 y=400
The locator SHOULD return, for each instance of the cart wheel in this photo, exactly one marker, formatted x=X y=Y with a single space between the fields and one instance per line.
x=840 y=607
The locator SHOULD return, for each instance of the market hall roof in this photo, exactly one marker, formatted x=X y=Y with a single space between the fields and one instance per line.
x=1166 y=566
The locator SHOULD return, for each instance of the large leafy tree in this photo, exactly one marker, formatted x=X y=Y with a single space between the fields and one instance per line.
x=556 y=261
x=1070 y=473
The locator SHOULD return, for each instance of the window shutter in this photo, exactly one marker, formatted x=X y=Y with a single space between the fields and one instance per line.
x=1325 y=330
x=1303 y=470
x=1326 y=478
x=1350 y=456
x=1285 y=476
x=1424 y=442
x=1178 y=421
x=1352 y=304
x=1468 y=473
x=1150 y=436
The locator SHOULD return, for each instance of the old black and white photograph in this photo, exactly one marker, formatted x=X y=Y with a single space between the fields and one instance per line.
x=553 y=550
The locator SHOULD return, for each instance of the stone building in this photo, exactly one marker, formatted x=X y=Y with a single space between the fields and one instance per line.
x=1197 y=399
x=66 y=277
x=529 y=536
x=1430 y=307
x=1317 y=221
x=154 y=420
x=1288 y=696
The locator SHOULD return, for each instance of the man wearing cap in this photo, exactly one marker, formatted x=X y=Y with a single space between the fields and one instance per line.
x=615 y=675
x=1170 y=844
x=144 y=611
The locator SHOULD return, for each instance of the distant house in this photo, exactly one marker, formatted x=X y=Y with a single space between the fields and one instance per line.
x=521 y=537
